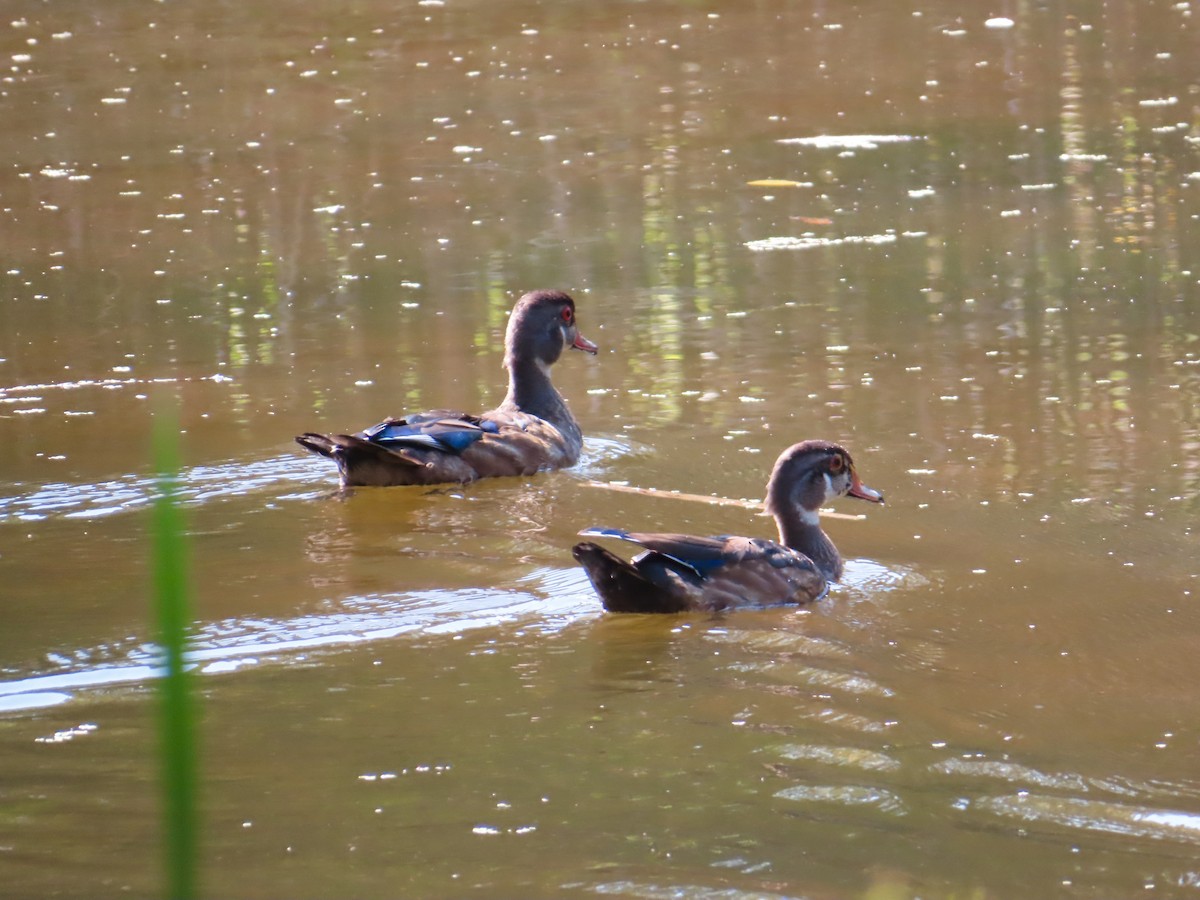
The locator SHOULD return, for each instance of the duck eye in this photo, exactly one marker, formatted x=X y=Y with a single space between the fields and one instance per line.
x=836 y=464
x=566 y=314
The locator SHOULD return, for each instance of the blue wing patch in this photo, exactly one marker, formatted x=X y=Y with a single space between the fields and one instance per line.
x=597 y=531
x=446 y=432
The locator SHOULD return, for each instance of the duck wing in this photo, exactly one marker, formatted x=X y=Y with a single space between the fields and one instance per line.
x=445 y=430
x=698 y=554
x=704 y=573
x=703 y=555
x=444 y=446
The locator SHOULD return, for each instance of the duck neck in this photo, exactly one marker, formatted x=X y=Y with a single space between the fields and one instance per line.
x=801 y=530
x=530 y=391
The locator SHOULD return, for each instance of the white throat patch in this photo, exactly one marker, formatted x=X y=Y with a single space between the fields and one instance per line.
x=810 y=516
x=830 y=490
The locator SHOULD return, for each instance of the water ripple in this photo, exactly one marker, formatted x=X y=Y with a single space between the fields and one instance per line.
x=781 y=643
x=231 y=644
x=1098 y=815
x=853 y=757
x=1026 y=776
x=867 y=578
x=198 y=484
x=813 y=677
x=600 y=451
x=1011 y=772
x=845 y=795
x=673 y=892
x=204 y=483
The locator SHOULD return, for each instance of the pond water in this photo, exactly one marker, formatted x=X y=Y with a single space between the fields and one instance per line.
x=963 y=241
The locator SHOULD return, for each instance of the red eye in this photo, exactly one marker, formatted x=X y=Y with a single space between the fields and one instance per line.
x=566 y=314
x=836 y=464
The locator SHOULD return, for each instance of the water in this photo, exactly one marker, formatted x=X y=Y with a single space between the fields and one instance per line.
x=962 y=246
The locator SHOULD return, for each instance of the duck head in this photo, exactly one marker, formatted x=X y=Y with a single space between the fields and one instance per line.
x=810 y=474
x=541 y=326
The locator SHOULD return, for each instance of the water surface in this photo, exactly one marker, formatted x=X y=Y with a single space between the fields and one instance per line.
x=962 y=242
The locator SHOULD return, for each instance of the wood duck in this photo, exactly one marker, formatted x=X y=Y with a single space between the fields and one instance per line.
x=678 y=572
x=531 y=430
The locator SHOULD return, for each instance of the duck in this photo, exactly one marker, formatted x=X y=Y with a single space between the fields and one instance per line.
x=530 y=431
x=679 y=573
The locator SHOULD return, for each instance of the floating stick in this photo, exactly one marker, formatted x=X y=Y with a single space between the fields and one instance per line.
x=701 y=498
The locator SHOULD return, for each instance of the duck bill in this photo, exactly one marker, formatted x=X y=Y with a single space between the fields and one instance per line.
x=862 y=492
x=582 y=343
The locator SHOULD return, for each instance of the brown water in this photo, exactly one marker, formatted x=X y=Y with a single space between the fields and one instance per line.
x=300 y=216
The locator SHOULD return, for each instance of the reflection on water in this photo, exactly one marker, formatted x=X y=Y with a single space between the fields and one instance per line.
x=963 y=246
x=197 y=485
x=226 y=646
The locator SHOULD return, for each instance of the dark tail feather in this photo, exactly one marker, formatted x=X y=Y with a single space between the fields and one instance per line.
x=621 y=587
x=321 y=444
x=355 y=450
x=362 y=463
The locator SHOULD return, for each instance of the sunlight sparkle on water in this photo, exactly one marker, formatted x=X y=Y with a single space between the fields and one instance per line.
x=69 y=734
x=849 y=141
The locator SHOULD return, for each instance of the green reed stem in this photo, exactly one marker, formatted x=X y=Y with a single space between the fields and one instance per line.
x=177 y=749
